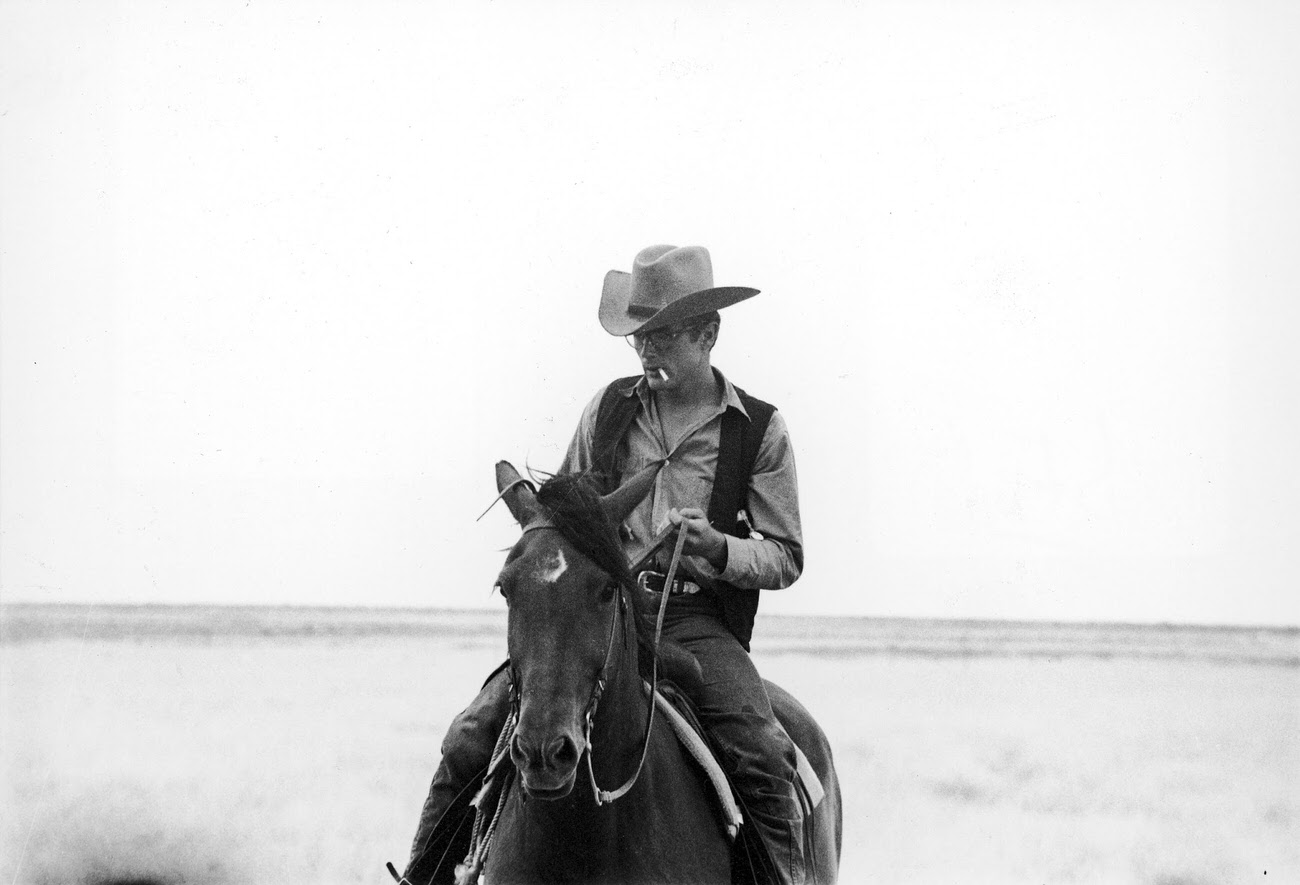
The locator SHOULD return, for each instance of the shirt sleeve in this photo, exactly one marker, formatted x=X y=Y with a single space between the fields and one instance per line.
x=579 y=457
x=776 y=561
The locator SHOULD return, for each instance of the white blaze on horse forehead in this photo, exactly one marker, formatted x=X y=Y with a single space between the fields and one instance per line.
x=551 y=569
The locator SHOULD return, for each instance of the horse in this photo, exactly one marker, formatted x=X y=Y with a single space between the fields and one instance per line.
x=576 y=630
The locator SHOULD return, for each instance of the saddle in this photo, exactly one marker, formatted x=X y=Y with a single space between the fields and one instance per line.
x=679 y=712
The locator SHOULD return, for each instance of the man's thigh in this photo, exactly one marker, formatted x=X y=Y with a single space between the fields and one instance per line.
x=731 y=682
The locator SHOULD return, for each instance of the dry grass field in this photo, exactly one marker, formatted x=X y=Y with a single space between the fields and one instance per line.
x=228 y=746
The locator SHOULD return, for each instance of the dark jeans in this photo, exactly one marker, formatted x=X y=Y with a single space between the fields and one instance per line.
x=733 y=707
x=735 y=710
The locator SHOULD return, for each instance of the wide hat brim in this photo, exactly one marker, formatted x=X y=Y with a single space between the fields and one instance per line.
x=617 y=317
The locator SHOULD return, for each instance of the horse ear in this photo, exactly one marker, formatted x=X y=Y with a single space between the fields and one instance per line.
x=620 y=503
x=517 y=492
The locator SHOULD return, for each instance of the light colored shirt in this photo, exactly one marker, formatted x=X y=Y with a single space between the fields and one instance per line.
x=686 y=480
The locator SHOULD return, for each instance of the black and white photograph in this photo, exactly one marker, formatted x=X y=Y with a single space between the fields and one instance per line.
x=480 y=442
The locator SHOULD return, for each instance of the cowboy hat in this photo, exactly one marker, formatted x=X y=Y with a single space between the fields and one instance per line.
x=667 y=285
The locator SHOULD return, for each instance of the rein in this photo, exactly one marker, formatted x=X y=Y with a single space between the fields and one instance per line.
x=604 y=797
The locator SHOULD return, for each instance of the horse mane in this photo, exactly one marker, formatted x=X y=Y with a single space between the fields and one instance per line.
x=572 y=504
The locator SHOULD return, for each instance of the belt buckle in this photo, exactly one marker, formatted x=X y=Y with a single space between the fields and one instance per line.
x=680 y=586
x=643 y=581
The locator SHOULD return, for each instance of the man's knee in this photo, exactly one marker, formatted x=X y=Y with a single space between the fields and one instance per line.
x=775 y=750
x=759 y=747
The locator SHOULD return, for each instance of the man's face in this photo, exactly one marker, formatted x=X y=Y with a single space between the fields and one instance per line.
x=675 y=352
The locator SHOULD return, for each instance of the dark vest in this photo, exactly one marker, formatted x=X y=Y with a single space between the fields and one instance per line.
x=738 y=444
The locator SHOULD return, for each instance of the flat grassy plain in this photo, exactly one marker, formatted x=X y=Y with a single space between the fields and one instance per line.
x=213 y=745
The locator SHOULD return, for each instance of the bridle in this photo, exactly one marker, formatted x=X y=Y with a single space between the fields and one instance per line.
x=481 y=839
x=604 y=797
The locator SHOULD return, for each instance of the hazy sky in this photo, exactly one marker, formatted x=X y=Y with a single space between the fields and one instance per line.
x=280 y=282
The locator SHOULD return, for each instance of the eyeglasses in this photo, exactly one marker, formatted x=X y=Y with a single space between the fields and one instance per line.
x=660 y=338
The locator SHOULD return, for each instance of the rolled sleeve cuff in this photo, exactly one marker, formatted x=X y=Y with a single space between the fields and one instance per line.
x=752 y=565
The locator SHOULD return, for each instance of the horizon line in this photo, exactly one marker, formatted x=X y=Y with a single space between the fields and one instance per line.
x=430 y=609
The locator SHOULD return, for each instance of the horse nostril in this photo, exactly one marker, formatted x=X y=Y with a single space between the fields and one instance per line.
x=566 y=754
x=517 y=753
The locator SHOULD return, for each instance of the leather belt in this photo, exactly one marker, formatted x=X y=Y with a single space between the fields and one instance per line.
x=653 y=582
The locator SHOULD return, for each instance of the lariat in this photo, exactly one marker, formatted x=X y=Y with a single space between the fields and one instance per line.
x=497 y=783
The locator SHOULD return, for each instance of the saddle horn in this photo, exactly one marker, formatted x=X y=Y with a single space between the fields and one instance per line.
x=620 y=503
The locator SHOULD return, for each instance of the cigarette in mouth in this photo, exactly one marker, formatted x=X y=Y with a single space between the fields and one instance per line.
x=663 y=376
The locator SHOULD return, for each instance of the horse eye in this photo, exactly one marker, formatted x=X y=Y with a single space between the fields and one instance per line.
x=498 y=587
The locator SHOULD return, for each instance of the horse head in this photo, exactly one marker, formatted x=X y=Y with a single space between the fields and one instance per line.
x=565 y=605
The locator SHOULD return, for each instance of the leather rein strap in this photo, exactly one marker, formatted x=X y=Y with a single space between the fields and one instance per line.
x=604 y=797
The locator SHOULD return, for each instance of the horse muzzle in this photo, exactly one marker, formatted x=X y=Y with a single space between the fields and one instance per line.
x=548 y=766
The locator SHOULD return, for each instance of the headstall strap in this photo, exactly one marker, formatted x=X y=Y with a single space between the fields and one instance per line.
x=540 y=522
x=598 y=688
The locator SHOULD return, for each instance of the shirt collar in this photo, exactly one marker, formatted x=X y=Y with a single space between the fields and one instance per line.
x=730 y=399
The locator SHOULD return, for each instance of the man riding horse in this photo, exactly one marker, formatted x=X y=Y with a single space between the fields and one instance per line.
x=727 y=482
